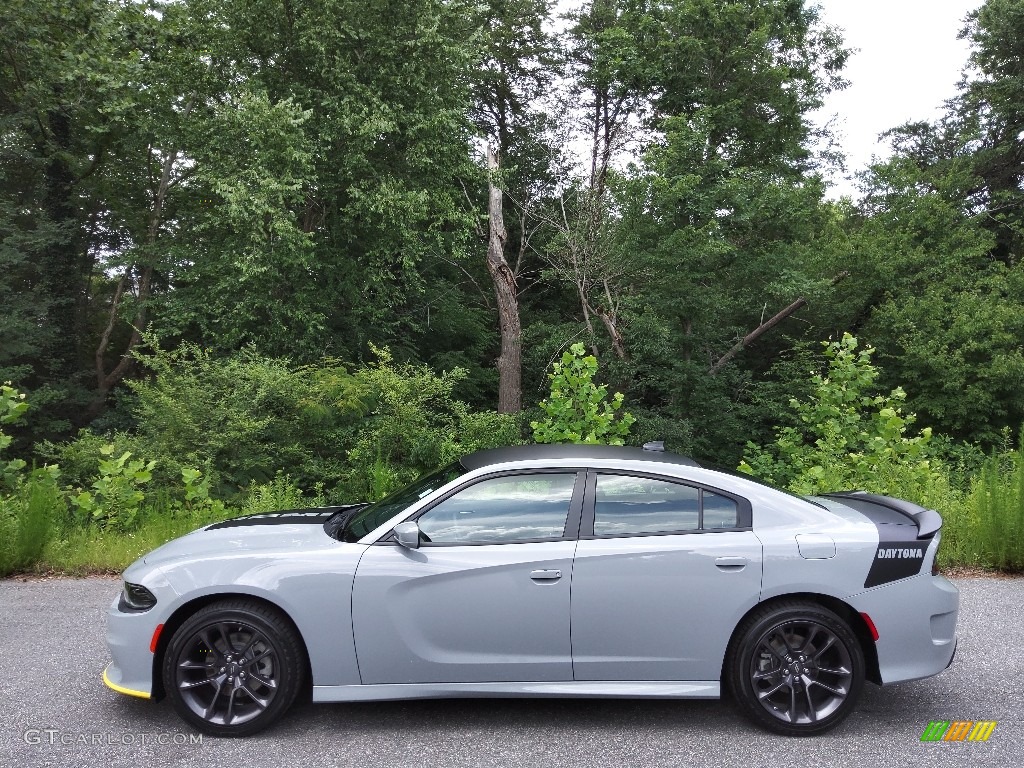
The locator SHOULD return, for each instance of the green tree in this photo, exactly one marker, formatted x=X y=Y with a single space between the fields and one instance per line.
x=322 y=234
x=65 y=92
x=848 y=436
x=937 y=280
x=412 y=423
x=723 y=222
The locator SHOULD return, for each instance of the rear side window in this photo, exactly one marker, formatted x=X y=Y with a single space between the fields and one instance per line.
x=625 y=505
x=719 y=511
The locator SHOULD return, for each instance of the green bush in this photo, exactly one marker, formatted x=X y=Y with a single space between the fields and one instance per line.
x=116 y=495
x=578 y=410
x=247 y=415
x=246 y=418
x=849 y=436
x=279 y=494
x=28 y=520
x=996 y=522
x=412 y=423
x=12 y=408
x=79 y=460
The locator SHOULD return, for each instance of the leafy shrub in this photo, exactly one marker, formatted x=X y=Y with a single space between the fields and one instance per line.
x=116 y=496
x=196 y=487
x=577 y=410
x=848 y=435
x=246 y=418
x=248 y=415
x=12 y=408
x=79 y=459
x=413 y=424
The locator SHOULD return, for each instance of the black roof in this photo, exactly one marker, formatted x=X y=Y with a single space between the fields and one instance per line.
x=582 y=453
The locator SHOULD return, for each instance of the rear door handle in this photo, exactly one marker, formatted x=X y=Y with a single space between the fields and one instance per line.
x=545 y=575
x=731 y=563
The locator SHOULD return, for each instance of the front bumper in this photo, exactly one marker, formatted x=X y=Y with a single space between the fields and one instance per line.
x=110 y=672
x=916 y=622
x=128 y=637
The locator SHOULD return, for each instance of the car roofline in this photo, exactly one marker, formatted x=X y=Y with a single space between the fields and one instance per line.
x=570 y=452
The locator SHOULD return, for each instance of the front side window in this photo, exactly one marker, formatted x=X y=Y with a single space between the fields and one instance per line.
x=502 y=510
x=625 y=506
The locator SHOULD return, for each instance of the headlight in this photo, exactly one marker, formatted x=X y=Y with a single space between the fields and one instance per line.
x=135 y=598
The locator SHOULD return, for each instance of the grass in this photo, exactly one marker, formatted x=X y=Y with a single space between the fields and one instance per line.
x=80 y=551
x=987 y=529
x=27 y=521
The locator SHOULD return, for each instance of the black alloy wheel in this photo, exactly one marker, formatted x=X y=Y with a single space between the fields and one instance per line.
x=796 y=668
x=233 y=668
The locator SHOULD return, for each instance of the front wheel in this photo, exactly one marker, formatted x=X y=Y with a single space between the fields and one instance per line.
x=233 y=668
x=795 y=668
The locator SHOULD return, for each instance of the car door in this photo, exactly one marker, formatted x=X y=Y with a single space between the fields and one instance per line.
x=663 y=572
x=485 y=597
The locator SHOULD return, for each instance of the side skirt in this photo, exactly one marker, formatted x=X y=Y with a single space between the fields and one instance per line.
x=670 y=689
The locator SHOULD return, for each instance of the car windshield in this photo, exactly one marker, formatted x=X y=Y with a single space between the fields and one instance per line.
x=368 y=518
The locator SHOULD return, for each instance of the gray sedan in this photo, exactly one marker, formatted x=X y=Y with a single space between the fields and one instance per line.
x=566 y=571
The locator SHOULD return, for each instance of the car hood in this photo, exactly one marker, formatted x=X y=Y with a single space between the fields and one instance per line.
x=292 y=530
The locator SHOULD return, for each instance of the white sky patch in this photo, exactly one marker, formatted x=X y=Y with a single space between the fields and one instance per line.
x=909 y=62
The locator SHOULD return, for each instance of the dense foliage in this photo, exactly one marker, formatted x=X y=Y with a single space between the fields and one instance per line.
x=217 y=215
x=847 y=434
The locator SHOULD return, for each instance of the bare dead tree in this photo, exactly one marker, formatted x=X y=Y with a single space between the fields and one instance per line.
x=510 y=388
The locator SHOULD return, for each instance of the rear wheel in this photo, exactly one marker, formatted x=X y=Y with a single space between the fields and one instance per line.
x=233 y=668
x=795 y=668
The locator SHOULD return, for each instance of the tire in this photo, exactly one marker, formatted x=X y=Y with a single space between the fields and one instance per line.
x=234 y=667
x=795 y=668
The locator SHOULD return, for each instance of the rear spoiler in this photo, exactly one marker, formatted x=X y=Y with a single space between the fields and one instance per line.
x=928 y=521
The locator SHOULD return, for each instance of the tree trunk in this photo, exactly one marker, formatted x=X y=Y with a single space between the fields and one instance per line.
x=755 y=334
x=107 y=381
x=510 y=389
x=610 y=318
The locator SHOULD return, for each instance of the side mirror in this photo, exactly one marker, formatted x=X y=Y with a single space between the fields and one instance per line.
x=408 y=534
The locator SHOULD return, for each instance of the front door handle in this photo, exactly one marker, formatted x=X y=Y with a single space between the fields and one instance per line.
x=545 y=575
x=732 y=563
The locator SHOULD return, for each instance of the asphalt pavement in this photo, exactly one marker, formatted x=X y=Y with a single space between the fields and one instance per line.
x=55 y=711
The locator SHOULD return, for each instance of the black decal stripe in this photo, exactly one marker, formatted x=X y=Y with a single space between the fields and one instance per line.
x=898 y=531
x=291 y=517
x=889 y=564
x=895 y=558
